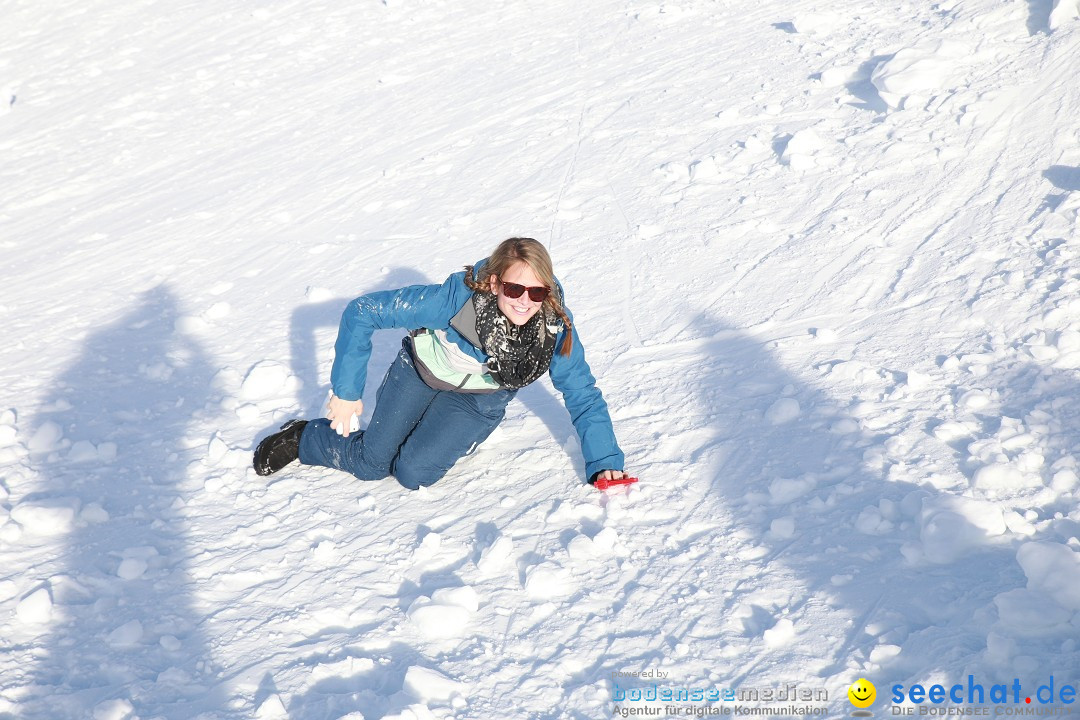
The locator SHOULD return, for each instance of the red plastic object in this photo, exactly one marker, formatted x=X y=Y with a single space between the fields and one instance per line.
x=604 y=483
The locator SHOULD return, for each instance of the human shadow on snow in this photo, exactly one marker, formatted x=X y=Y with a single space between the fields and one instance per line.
x=835 y=472
x=143 y=385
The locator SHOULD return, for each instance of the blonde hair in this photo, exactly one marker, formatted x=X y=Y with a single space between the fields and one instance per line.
x=512 y=251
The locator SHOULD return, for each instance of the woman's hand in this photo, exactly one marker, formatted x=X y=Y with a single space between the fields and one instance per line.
x=611 y=475
x=339 y=413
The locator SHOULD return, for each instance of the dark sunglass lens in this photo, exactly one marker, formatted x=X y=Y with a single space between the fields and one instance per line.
x=514 y=291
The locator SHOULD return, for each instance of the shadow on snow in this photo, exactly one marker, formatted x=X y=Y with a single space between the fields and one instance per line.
x=142 y=385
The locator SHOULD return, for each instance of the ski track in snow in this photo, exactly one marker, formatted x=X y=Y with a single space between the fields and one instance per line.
x=822 y=261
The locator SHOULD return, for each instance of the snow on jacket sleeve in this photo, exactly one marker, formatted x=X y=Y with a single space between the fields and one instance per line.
x=412 y=307
x=588 y=410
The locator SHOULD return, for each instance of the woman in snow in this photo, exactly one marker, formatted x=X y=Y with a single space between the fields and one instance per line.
x=473 y=342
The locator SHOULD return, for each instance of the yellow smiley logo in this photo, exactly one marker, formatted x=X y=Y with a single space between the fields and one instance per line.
x=862 y=693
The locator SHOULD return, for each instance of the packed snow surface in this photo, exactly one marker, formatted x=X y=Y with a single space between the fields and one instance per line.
x=822 y=258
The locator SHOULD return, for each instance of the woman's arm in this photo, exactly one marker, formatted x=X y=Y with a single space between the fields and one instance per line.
x=588 y=410
x=411 y=307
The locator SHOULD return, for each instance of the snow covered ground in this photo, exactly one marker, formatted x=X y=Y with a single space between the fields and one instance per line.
x=822 y=256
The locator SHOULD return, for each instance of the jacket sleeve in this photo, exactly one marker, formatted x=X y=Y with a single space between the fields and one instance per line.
x=572 y=377
x=412 y=307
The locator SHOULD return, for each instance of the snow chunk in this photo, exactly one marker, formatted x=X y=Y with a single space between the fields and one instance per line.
x=782 y=528
x=546 y=581
x=1064 y=11
x=783 y=411
x=429 y=685
x=325 y=551
x=47 y=438
x=8 y=435
x=267 y=379
x=872 y=522
x=841 y=75
x=83 y=451
x=495 y=556
x=35 y=608
x=801 y=149
x=174 y=676
x=10 y=532
x=883 y=653
x=8 y=590
x=704 y=170
x=779 y=634
x=844 y=426
x=446 y=613
x=784 y=490
x=1053 y=569
x=1068 y=341
x=53 y=516
x=348 y=667
x=272 y=709
x=1064 y=480
x=106 y=452
x=1030 y=613
x=463 y=596
x=131 y=568
x=118 y=709
x=951 y=430
x=429 y=546
x=606 y=541
x=952 y=525
x=581 y=548
x=924 y=70
x=1002 y=476
x=916 y=380
x=974 y=400
x=854 y=371
x=216 y=450
x=128 y=634
x=1018 y=524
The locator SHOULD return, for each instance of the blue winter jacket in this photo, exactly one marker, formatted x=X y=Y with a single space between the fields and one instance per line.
x=432 y=307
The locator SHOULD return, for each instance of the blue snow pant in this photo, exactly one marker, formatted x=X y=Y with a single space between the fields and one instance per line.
x=416 y=433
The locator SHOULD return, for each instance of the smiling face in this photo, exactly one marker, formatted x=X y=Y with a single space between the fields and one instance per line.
x=862 y=693
x=518 y=310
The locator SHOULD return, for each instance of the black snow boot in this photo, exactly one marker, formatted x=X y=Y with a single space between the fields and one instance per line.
x=278 y=450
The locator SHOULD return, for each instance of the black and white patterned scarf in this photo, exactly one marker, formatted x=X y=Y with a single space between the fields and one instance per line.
x=519 y=353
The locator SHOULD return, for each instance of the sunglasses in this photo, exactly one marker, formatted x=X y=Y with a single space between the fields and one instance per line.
x=514 y=291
